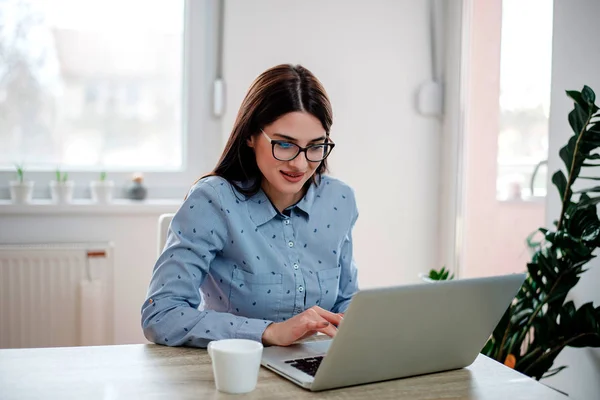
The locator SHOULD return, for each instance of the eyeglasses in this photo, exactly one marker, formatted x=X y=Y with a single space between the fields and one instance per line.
x=287 y=151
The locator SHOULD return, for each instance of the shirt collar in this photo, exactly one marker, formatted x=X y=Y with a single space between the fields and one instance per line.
x=305 y=204
x=262 y=210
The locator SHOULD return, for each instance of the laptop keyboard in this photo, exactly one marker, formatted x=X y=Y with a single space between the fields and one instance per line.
x=307 y=365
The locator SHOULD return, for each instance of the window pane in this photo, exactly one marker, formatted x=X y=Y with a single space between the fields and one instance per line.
x=91 y=84
x=526 y=57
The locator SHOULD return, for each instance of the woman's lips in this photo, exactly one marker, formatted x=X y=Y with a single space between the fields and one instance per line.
x=293 y=177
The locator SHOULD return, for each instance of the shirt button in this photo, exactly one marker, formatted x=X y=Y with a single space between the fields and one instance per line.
x=287 y=222
x=301 y=289
x=291 y=244
x=295 y=266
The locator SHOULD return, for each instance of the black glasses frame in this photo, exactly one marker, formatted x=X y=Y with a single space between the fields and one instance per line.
x=300 y=149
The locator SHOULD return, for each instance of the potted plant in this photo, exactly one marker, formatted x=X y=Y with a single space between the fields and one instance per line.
x=21 y=191
x=102 y=189
x=541 y=322
x=434 y=275
x=62 y=188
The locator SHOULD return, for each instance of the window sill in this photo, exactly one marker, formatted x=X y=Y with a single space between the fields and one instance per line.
x=87 y=207
x=528 y=200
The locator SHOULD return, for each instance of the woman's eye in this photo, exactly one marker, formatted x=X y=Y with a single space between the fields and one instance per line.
x=285 y=145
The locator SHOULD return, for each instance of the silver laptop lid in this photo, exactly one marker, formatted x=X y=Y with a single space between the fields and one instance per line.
x=409 y=330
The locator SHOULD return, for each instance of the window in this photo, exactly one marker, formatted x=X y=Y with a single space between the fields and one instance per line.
x=526 y=56
x=92 y=85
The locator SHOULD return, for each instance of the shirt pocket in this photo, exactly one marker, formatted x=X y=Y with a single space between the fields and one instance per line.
x=256 y=295
x=328 y=283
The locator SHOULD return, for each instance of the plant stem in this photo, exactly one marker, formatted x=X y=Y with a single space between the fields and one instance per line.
x=500 y=351
x=555 y=349
x=527 y=357
x=537 y=310
x=566 y=196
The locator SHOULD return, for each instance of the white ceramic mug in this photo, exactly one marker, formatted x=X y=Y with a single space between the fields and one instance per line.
x=235 y=364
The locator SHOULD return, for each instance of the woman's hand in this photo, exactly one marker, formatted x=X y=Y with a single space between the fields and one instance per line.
x=311 y=321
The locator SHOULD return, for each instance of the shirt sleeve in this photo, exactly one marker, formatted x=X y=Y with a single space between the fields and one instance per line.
x=170 y=314
x=349 y=274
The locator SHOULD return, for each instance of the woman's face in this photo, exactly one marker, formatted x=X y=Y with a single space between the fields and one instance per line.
x=286 y=178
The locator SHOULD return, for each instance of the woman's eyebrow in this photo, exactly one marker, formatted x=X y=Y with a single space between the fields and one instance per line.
x=286 y=137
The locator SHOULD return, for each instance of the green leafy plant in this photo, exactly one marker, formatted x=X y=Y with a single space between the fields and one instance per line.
x=441 y=275
x=61 y=177
x=20 y=172
x=540 y=322
x=102 y=176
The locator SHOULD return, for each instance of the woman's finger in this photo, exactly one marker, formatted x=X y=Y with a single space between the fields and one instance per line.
x=335 y=319
x=316 y=325
x=322 y=326
x=329 y=330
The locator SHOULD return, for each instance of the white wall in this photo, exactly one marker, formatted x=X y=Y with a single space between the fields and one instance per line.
x=575 y=60
x=371 y=57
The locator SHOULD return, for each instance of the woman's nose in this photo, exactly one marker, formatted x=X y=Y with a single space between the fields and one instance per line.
x=300 y=162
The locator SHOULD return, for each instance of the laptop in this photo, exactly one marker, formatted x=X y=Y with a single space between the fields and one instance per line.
x=396 y=332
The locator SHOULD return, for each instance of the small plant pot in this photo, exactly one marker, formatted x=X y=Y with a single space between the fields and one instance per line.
x=21 y=192
x=102 y=191
x=62 y=192
x=426 y=278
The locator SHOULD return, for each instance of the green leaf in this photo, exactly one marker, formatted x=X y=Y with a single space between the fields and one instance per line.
x=541 y=365
x=554 y=371
x=566 y=152
x=488 y=348
x=445 y=275
x=594 y=189
x=588 y=95
x=595 y=129
x=560 y=182
x=584 y=327
x=592 y=178
x=520 y=316
x=576 y=96
x=578 y=118
x=590 y=201
x=512 y=343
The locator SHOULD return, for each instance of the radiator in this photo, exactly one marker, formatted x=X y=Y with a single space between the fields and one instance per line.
x=54 y=295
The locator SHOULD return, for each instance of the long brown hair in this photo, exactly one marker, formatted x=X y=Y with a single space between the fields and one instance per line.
x=277 y=91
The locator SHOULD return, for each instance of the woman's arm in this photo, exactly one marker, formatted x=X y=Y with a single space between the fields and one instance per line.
x=348 y=275
x=170 y=314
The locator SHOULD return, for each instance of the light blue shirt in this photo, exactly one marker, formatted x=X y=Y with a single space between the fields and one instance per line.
x=232 y=265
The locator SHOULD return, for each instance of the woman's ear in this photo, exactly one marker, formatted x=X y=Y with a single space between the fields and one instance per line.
x=250 y=141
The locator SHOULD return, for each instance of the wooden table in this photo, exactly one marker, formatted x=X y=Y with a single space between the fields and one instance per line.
x=158 y=372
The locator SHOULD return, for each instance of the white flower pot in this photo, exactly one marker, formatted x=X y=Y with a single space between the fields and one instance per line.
x=426 y=278
x=21 y=192
x=102 y=191
x=62 y=192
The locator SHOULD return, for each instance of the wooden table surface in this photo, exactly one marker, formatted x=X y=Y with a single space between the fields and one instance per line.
x=158 y=372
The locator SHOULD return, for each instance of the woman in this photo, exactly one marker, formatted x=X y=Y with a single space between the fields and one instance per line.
x=261 y=248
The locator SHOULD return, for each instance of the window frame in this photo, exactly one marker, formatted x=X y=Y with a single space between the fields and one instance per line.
x=201 y=141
